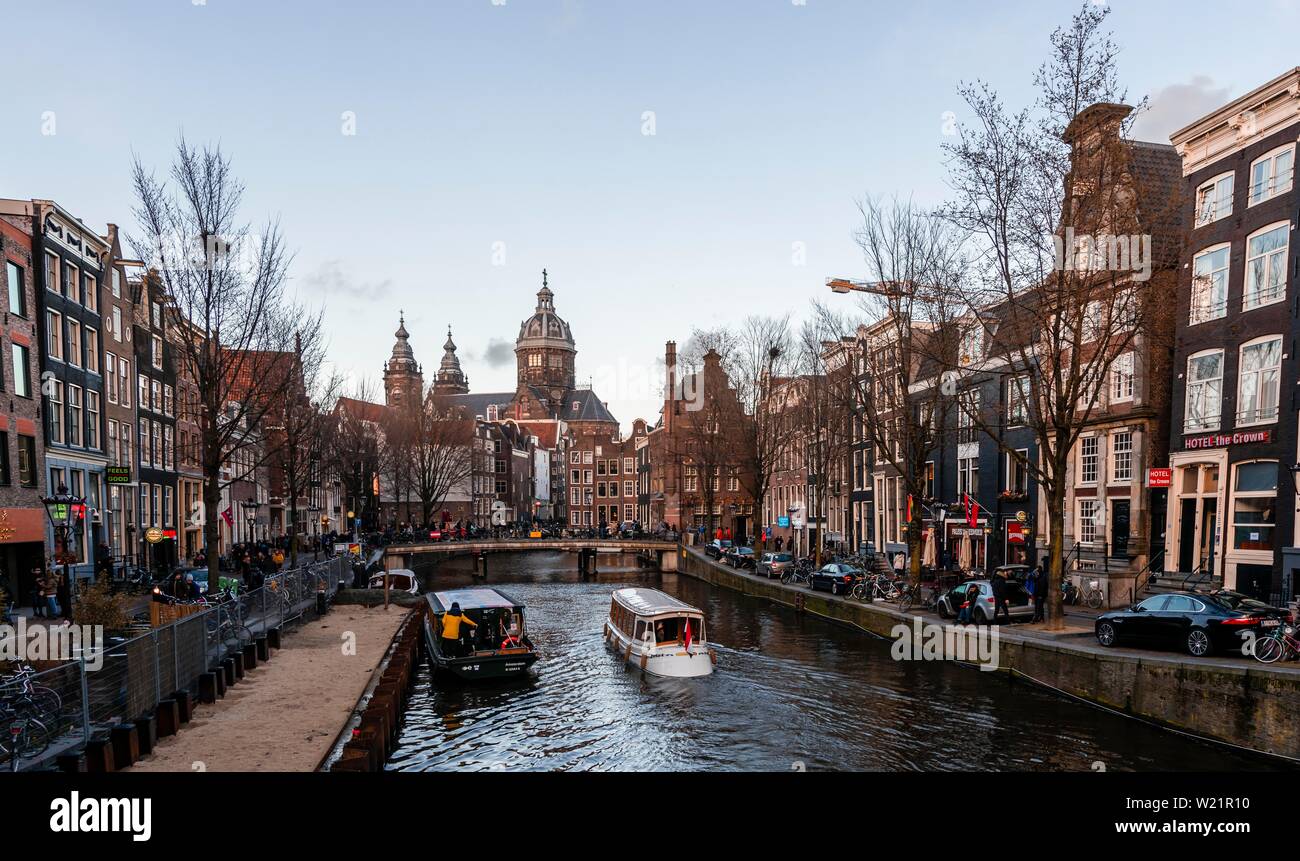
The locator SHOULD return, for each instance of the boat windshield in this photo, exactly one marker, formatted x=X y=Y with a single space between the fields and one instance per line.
x=672 y=629
x=496 y=625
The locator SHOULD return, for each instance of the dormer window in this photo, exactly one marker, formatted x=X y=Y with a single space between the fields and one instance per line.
x=492 y=412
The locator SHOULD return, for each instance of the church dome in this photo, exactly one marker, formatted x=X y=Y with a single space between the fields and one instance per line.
x=545 y=328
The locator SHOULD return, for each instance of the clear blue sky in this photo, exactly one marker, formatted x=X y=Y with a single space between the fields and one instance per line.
x=520 y=122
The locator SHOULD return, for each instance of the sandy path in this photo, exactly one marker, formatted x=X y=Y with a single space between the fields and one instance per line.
x=284 y=715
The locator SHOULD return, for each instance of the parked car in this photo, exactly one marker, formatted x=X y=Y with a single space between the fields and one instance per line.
x=1199 y=623
x=836 y=577
x=717 y=548
x=773 y=564
x=740 y=557
x=1019 y=603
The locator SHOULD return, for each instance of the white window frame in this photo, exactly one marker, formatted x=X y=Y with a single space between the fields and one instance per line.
x=1215 y=306
x=1122 y=385
x=1089 y=462
x=1259 y=415
x=1273 y=187
x=1087 y=519
x=1204 y=422
x=1282 y=254
x=1222 y=206
x=1121 y=454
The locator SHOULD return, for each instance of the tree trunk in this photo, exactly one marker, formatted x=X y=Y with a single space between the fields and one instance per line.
x=293 y=531
x=211 y=499
x=1056 y=560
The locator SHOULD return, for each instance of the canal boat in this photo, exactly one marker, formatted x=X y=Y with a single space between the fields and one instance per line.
x=399 y=580
x=659 y=634
x=497 y=647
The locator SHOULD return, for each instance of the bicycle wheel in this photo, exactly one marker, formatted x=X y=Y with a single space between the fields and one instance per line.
x=907 y=599
x=1268 y=649
x=24 y=738
x=1095 y=599
x=46 y=699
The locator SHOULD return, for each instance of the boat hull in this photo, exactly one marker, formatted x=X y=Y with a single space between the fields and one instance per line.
x=669 y=662
x=477 y=667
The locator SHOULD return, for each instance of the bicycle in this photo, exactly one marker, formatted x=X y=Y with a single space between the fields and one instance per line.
x=19 y=688
x=24 y=737
x=1092 y=595
x=915 y=595
x=796 y=577
x=1277 y=644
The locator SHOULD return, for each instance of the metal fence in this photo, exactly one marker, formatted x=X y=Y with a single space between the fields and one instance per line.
x=138 y=672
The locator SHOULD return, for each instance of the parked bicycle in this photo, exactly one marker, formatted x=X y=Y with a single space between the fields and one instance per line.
x=21 y=692
x=1277 y=644
x=873 y=587
x=24 y=736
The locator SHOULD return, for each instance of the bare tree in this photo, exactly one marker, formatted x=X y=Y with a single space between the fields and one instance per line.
x=902 y=337
x=352 y=455
x=1062 y=225
x=442 y=458
x=821 y=401
x=226 y=282
x=297 y=424
x=756 y=357
x=710 y=432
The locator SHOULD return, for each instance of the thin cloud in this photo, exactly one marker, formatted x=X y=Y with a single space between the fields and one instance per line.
x=329 y=279
x=1178 y=105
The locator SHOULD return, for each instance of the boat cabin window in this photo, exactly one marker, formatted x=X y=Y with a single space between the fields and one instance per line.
x=673 y=629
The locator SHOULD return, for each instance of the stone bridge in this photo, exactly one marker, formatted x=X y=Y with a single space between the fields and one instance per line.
x=664 y=553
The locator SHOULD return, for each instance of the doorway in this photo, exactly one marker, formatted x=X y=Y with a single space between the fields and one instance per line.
x=1119 y=527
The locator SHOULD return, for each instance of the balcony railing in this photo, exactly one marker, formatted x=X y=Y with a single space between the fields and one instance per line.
x=1200 y=424
x=1257 y=415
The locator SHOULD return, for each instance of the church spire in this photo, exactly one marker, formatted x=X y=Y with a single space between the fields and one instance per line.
x=450 y=380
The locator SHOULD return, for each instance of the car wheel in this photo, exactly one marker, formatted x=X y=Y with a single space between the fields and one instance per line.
x=835 y=588
x=942 y=608
x=1106 y=634
x=980 y=618
x=1198 y=643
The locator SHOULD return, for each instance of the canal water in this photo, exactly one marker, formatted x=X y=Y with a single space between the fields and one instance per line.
x=789 y=692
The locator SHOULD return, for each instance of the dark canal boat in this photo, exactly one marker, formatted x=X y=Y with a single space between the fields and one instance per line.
x=497 y=647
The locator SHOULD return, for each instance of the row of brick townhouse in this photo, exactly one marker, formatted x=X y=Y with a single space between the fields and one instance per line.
x=1231 y=501
x=1186 y=465
x=98 y=402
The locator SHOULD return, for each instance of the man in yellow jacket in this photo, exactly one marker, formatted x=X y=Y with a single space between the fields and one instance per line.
x=451 y=622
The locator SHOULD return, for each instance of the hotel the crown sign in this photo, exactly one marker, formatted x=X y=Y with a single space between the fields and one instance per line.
x=1220 y=440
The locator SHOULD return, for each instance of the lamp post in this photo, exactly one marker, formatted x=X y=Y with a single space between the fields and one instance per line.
x=64 y=511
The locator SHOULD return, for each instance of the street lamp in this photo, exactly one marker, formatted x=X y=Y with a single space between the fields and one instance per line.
x=65 y=512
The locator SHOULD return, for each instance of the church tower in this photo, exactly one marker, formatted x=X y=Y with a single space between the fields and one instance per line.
x=403 y=379
x=544 y=351
x=450 y=380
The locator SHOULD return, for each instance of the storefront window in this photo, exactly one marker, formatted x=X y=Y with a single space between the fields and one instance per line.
x=1254 y=506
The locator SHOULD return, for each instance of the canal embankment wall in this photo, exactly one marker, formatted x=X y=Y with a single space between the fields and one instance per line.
x=1230 y=700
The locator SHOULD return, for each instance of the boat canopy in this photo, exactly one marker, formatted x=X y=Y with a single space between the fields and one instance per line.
x=472 y=599
x=651 y=602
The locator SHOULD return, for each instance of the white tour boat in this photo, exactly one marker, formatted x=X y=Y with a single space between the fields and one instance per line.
x=659 y=634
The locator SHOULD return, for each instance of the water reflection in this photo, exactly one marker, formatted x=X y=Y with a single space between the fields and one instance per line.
x=788 y=689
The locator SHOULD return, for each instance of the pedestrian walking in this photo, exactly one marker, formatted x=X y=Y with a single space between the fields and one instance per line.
x=39 y=603
x=1000 y=605
x=1037 y=583
x=52 y=587
x=779 y=542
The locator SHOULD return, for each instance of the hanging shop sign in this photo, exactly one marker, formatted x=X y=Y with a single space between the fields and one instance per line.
x=1160 y=477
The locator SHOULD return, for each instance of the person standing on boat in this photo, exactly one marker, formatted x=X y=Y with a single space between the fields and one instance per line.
x=451 y=622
